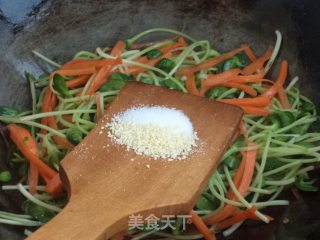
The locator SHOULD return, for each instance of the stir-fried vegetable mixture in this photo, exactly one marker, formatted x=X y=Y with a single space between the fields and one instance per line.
x=277 y=147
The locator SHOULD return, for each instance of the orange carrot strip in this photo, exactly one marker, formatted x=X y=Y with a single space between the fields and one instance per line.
x=191 y=85
x=215 y=79
x=181 y=43
x=224 y=213
x=247 y=89
x=24 y=141
x=254 y=102
x=74 y=72
x=250 y=158
x=118 y=49
x=258 y=63
x=67 y=117
x=239 y=216
x=249 y=52
x=136 y=69
x=63 y=142
x=54 y=186
x=238 y=177
x=33 y=178
x=85 y=63
x=78 y=81
x=201 y=226
x=280 y=80
x=101 y=77
x=258 y=111
x=283 y=97
x=254 y=78
x=209 y=63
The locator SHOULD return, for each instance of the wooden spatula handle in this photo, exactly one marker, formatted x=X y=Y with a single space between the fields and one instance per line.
x=82 y=224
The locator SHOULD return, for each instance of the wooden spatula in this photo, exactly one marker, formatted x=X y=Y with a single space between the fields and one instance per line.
x=106 y=184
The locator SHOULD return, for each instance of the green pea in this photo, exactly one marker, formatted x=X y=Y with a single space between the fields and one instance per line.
x=5 y=176
x=205 y=203
x=59 y=84
x=154 y=53
x=232 y=161
x=75 y=136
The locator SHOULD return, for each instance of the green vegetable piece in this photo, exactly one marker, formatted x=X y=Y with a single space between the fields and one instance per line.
x=165 y=65
x=275 y=120
x=169 y=84
x=308 y=107
x=286 y=118
x=29 y=76
x=59 y=84
x=148 y=81
x=5 y=176
x=306 y=144
x=304 y=183
x=232 y=161
x=204 y=203
x=115 y=82
x=8 y=111
x=216 y=92
x=273 y=163
x=37 y=212
x=75 y=136
x=154 y=53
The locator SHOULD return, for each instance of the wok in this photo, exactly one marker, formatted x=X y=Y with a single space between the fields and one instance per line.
x=60 y=28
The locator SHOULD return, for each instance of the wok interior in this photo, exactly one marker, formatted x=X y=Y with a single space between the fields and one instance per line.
x=59 y=29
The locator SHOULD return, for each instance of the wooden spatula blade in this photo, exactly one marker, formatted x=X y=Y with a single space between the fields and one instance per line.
x=106 y=183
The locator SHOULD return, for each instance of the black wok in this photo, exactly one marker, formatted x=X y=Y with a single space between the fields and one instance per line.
x=61 y=28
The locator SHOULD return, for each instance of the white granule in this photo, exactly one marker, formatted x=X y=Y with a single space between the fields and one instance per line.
x=155 y=131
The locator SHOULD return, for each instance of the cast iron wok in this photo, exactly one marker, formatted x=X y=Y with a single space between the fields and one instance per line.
x=61 y=28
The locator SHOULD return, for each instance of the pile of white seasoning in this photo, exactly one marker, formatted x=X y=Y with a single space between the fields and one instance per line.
x=155 y=131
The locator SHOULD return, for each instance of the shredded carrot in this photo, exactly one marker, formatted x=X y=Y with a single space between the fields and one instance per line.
x=243 y=87
x=283 y=97
x=62 y=142
x=181 y=43
x=54 y=186
x=209 y=63
x=250 y=159
x=33 y=178
x=85 y=63
x=191 y=85
x=215 y=79
x=221 y=215
x=239 y=174
x=118 y=49
x=257 y=111
x=78 y=81
x=258 y=63
x=253 y=102
x=254 y=78
x=74 y=72
x=24 y=141
x=136 y=69
x=238 y=216
x=249 y=52
x=101 y=77
x=201 y=226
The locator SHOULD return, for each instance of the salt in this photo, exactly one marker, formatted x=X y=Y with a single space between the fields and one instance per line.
x=155 y=131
